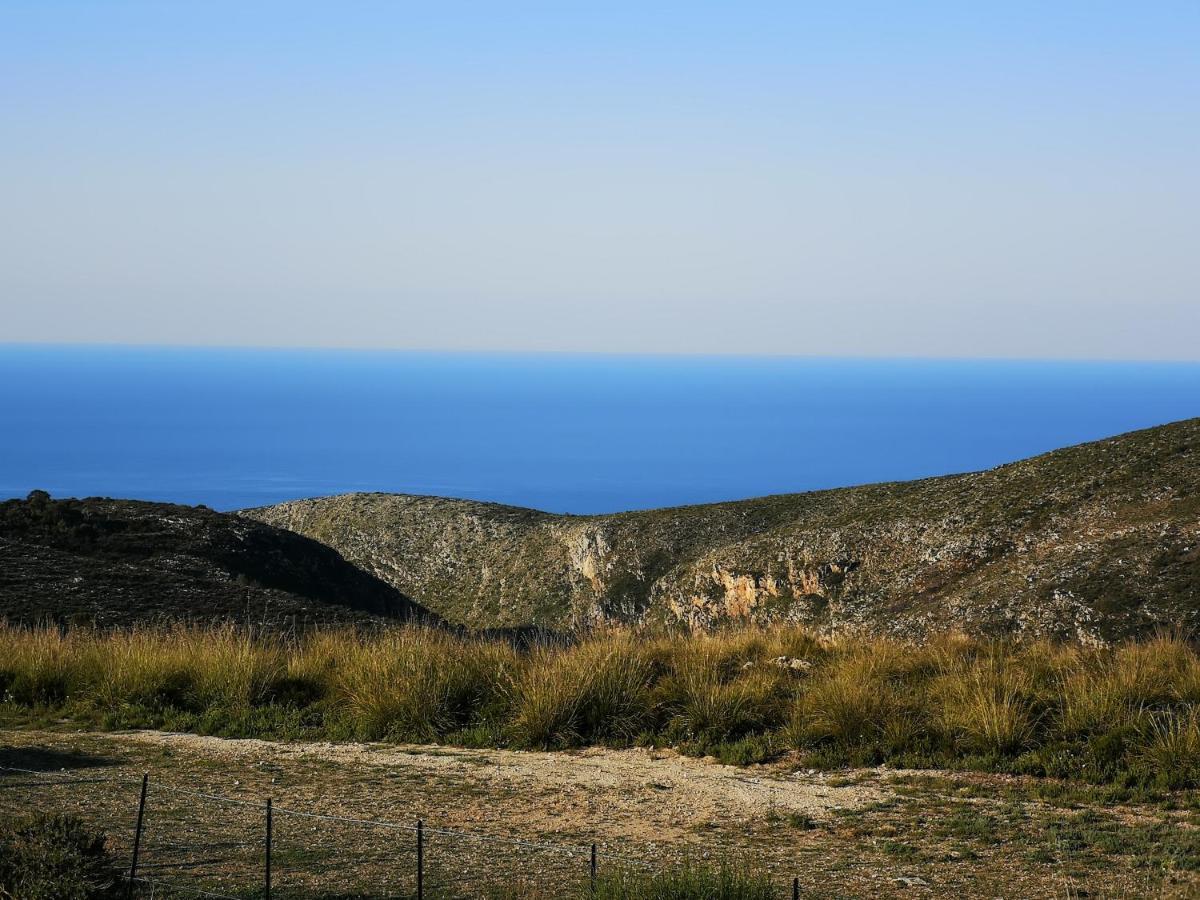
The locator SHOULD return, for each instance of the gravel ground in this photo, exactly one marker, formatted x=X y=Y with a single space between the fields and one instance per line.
x=495 y=817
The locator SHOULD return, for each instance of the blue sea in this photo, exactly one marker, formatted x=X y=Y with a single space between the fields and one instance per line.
x=578 y=434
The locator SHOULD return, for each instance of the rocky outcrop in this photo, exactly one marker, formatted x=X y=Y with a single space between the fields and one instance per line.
x=1088 y=543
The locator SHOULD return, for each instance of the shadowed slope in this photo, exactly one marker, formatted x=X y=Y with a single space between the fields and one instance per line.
x=122 y=561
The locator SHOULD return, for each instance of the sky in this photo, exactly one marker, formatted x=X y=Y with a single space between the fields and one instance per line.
x=868 y=179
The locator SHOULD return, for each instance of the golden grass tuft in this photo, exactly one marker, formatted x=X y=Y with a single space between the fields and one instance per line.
x=988 y=707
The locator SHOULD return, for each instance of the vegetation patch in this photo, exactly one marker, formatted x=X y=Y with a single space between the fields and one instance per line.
x=1123 y=717
x=55 y=857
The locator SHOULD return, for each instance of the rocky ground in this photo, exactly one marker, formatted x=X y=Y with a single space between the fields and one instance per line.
x=494 y=817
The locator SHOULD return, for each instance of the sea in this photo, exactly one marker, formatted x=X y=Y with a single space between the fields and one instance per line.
x=235 y=428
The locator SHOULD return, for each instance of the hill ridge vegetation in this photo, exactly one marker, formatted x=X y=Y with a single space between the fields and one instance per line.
x=1092 y=542
x=119 y=562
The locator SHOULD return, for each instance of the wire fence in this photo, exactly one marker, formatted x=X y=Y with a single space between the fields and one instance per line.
x=185 y=842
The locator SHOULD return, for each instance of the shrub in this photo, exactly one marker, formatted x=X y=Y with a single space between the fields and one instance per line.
x=54 y=857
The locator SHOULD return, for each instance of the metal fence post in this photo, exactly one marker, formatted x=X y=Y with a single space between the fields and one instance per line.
x=795 y=889
x=137 y=834
x=267 y=873
x=420 y=860
x=592 y=872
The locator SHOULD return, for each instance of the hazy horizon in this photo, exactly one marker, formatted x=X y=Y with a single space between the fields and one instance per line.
x=934 y=181
x=516 y=353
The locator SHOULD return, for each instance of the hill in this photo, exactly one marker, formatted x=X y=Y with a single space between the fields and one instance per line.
x=1092 y=542
x=118 y=562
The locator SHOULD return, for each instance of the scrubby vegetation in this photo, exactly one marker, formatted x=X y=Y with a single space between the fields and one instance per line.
x=1125 y=715
x=55 y=857
x=1095 y=541
x=728 y=882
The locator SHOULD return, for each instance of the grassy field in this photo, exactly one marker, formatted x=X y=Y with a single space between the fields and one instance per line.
x=1126 y=715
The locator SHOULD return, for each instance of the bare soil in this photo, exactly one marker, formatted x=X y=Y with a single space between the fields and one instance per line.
x=501 y=816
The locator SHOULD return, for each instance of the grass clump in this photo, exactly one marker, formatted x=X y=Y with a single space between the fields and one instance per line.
x=988 y=707
x=597 y=691
x=417 y=684
x=717 y=688
x=1169 y=751
x=55 y=857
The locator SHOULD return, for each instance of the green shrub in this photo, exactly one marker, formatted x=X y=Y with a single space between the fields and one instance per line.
x=54 y=857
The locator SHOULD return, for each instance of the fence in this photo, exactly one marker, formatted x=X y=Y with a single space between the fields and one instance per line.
x=186 y=842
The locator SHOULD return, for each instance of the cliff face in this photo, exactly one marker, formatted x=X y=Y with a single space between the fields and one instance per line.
x=1090 y=543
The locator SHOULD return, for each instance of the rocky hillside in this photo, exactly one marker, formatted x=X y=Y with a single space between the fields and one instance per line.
x=118 y=562
x=1091 y=542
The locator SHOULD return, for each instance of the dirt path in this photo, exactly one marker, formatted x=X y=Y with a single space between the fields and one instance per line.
x=637 y=795
x=488 y=813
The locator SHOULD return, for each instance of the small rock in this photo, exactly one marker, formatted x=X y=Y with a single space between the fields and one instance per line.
x=792 y=662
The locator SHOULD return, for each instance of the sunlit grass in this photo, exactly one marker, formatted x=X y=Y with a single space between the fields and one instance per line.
x=1123 y=713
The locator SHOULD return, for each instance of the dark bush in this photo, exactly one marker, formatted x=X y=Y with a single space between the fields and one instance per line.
x=56 y=857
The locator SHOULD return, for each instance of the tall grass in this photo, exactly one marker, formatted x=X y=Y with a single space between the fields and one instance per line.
x=417 y=684
x=598 y=690
x=1125 y=713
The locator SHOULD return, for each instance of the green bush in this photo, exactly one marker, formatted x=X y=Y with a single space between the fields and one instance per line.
x=55 y=857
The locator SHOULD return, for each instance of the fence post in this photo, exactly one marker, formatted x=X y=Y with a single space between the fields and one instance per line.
x=267 y=873
x=420 y=860
x=795 y=889
x=137 y=834
x=592 y=873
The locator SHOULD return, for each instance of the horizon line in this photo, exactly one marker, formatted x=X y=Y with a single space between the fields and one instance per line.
x=599 y=354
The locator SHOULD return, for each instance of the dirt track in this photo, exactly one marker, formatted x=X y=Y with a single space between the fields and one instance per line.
x=863 y=833
x=636 y=795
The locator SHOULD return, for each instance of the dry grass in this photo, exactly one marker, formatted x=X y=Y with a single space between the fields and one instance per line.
x=1125 y=712
x=416 y=684
x=988 y=707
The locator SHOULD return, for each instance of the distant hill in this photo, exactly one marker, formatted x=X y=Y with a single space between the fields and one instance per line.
x=118 y=562
x=1091 y=542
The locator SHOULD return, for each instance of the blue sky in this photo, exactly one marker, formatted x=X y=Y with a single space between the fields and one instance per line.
x=928 y=179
